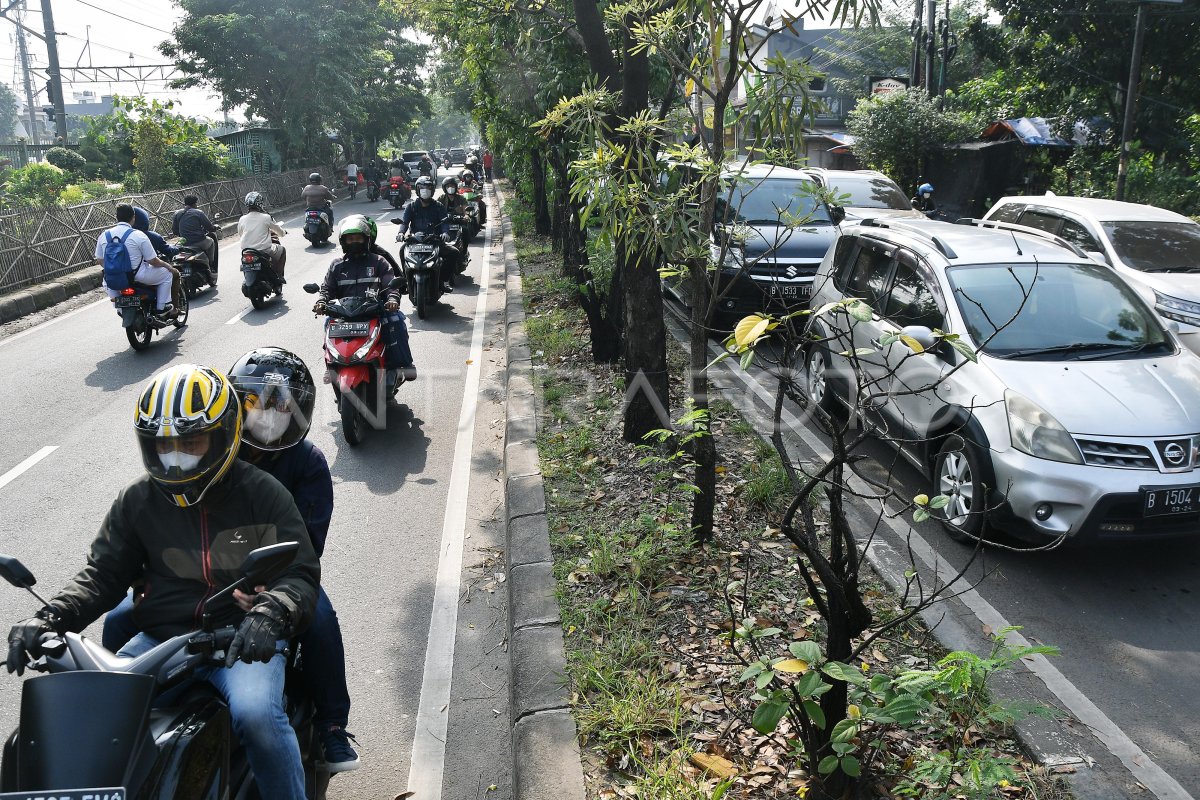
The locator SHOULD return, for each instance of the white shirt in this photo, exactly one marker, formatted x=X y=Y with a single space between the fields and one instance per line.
x=255 y=228
x=352 y=170
x=137 y=243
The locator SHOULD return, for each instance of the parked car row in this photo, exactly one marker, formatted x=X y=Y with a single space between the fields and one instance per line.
x=1079 y=415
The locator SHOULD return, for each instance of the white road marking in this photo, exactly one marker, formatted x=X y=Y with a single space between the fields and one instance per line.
x=429 y=743
x=240 y=314
x=16 y=471
x=49 y=322
x=1145 y=770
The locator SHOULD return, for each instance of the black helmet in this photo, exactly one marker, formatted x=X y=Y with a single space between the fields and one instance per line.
x=314 y=177
x=395 y=162
x=277 y=395
x=449 y=184
x=189 y=427
x=424 y=182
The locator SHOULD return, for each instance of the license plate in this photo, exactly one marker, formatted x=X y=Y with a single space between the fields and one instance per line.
x=185 y=272
x=251 y=267
x=348 y=330
x=67 y=794
x=420 y=248
x=129 y=301
x=1161 y=502
x=790 y=290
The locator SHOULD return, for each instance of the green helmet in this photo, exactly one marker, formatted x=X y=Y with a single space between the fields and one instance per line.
x=355 y=224
x=372 y=229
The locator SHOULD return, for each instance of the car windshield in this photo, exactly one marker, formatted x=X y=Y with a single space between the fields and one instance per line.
x=1054 y=311
x=869 y=191
x=768 y=201
x=1156 y=246
x=414 y=155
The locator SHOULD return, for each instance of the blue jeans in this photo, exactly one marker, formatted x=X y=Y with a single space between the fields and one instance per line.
x=321 y=643
x=254 y=693
x=397 y=352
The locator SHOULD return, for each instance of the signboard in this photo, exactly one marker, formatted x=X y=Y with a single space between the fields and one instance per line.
x=884 y=85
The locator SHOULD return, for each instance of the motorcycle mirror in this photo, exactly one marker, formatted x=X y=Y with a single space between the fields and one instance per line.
x=396 y=220
x=311 y=288
x=16 y=573
x=264 y=563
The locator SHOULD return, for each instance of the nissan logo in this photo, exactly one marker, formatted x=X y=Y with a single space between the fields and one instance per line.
x=1174 y=454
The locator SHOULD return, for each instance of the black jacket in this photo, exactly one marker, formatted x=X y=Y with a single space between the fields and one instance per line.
x=357 y=276
x=182 y=556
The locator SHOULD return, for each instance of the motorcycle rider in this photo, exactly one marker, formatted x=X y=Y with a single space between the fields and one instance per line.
x=159 y=534
x=456 y=206
x=423 y=214
x=398 y=169
x=255 y=229
x=277 y=394
x=425 y=165
x=194 y=226
x=401 y=282
x=317 y=196
x=141 y=222
x=924 y=199
x=360 y=273
x=469 y=181
x=147 y=267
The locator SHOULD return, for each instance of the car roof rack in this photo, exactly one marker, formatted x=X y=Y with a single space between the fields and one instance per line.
x=943 y=248
x=1025 y=229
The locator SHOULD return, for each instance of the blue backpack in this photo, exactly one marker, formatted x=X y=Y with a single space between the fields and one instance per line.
x=118 y=269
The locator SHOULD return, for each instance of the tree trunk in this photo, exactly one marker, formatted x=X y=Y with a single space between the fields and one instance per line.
x=704 y=448
x=647 y=391
x=541 y=214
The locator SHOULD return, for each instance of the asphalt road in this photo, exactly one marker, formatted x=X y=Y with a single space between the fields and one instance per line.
x=1124 y=616
x=71 y=385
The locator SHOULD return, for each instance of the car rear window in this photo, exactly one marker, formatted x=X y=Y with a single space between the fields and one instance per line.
x=413 y=155
x=869 y=191
x=1157 y=246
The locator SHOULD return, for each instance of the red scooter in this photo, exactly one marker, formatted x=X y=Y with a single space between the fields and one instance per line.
x=354 y=364
x=398 y=191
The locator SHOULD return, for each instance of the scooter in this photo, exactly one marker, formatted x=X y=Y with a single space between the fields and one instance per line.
x=372 y=190
x=352 y=186
x=398 y=191
x=259 y=278
x=195 y=271
x=458 y=238
x=422 y=258
x=354 y=363
x=136 y=307
x=317 y=228
x=89 y=725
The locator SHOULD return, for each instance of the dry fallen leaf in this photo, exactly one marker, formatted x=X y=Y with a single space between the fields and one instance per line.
x=714 y=766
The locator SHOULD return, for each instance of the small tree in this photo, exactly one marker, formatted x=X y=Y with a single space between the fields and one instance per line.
x=899 y=132
x=36 y=184
x=66 y=160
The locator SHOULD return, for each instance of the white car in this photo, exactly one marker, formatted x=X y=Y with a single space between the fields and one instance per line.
x=871 y=194
x=1156 y=251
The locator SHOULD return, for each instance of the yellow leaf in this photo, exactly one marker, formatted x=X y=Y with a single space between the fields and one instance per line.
x=921 y=499
x=720 y=470
x=470 y=361
x=791 y=665
x=749 y=329
x=853 y=711
x=493 y=788
x=715 y=766
x=913 y=344
x=689 y=87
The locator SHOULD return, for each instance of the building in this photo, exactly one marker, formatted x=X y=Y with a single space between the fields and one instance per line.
x=256 y=148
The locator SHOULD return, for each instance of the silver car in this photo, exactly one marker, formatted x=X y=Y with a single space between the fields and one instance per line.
x=1081 y=415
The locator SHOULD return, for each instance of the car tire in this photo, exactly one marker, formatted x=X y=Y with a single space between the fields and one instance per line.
x=816 y=380
x=958 y=474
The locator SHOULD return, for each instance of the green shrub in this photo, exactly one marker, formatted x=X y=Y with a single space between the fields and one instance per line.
x=36 y=184
x=66 y=160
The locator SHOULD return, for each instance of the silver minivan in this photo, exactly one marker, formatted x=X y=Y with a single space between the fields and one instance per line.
x=1155 y=250
x=1080 y=416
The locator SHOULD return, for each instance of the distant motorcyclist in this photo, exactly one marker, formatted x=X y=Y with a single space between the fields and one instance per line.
x=423 y=214
x=473 y=164
x=255 y=229
x=317 y=196
x=194 y=226
x=398 y=170
x=361 y=273
x=924 y=199
x=471 y=184
x=425 y=166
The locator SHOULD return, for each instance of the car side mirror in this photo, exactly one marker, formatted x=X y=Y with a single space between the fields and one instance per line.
x=1169 y=324
x=311 y=288
x=921 y=335
x=16 y=573
x=1098 y=257
x=837 y=214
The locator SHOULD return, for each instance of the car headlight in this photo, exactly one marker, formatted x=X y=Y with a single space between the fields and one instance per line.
x=1177 y=309
x=1036 y=432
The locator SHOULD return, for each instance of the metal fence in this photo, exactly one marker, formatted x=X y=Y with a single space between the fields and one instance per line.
x=40 y=243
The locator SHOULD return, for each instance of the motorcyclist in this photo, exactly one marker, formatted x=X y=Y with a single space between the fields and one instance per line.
x=255 y=229
x=456 y=206
x=317 y=196
x=165 y=250
x=194 y=226
x=401 y=284
x=178 y=531
x=423 y=214
x=924 y=199
x=360 y=273
x=470 y=184
x=148 y=268
x=398 y=169
x=425 y=165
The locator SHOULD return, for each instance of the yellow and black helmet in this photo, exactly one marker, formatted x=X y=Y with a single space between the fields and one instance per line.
x=189 y=426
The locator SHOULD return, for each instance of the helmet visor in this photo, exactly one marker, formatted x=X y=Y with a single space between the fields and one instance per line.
x=275 y=415
x=183 y=465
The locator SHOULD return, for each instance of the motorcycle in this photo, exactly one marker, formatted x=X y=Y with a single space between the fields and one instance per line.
x=398 y=191
x=422 y=258
x=259 y=278
x=136 y=307
x=458 y=238
x=195 y=272
x=372 y=190
x=352 y=186
x=473 y=199
x=354 y=363
x=89 y=725
x=317 y=228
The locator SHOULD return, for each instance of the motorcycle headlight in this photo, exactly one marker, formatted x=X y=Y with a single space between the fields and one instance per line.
x=1035 y=432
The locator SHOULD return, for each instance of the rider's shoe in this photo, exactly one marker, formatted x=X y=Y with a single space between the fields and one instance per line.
x=339 y=755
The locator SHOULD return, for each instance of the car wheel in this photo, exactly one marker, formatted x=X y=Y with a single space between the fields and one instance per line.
x=958 y=474
x=816 y=380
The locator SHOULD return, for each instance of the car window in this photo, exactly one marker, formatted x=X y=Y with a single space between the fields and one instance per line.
x=910 y=301
x=868 y=276
x=868 y=191
x=1008 y=212
x=1042 y=221
x=1156 y=246
x=772 y=200
x=1078 y=235
x=841 y=258
x=1052 y=311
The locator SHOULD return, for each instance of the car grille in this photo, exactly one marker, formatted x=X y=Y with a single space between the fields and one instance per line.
x=1115 y=454
x=767 y=270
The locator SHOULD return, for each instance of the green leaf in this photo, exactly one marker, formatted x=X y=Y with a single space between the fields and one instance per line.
x=904 y=708
x=751 y=671
x=747 y=357
x=763 y=632
x=967 y=351
x=920 y=515
x=806 y=651
x=828 y=765
x=888 y=338
x=858 y=351
x=850 y=766
x=767 y=715
x=860 y=311
x=941 y=501
x=808 y=685
x=764 y=678
x=844 y=672
x=815 y=713
x=844 y=731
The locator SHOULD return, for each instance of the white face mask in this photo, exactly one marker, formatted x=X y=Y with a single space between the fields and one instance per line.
x=175 y=459
x=268 y=425
x=427 y=194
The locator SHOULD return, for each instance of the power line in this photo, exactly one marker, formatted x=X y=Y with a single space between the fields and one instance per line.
x=127 y=19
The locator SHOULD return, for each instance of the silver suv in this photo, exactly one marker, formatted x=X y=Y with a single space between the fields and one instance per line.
x=1081 y=414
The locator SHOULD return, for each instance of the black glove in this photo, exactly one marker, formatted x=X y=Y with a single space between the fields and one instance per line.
x=319 y=307
x=261 y=628
x=23 y=640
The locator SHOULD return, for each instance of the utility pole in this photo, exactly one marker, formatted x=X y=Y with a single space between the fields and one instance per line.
x=918 y=34
x=29 y=112
x=1131 y=91
x=54 y=73
x=930 y=38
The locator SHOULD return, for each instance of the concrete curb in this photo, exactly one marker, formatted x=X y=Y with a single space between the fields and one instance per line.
x=546 y=762
x=43 y=295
